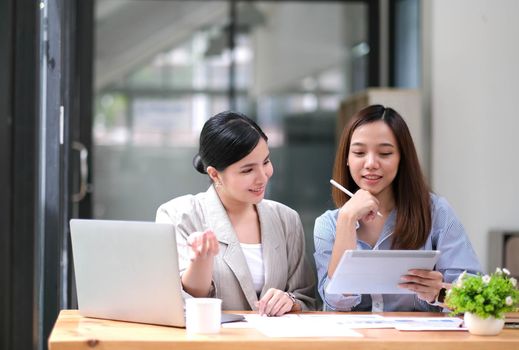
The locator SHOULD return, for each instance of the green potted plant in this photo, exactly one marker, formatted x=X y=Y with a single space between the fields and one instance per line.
x=484 y=299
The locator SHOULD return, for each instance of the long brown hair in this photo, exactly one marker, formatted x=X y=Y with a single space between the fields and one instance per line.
x=411 y=192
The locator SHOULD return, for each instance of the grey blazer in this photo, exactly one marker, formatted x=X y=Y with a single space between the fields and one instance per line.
x=282 y=239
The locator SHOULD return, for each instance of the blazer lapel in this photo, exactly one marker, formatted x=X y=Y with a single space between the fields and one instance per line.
x=271 y=241
x=219 y=222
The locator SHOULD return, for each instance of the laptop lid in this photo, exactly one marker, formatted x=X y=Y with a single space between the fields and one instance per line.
x=127 y=270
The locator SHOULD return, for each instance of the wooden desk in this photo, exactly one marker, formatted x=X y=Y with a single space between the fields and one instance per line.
x=72 y=331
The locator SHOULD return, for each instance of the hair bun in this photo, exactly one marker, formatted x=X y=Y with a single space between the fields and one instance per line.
x=198 y=164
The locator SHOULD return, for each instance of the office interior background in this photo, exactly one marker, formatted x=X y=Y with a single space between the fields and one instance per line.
x=102 y=101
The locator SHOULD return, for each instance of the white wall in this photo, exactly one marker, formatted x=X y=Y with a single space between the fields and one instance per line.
x=474 y=101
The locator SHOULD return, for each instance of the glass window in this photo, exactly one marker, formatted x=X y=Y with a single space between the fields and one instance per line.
x=156 y=84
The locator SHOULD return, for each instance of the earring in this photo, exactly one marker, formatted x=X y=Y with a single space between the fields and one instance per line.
x=217 y=184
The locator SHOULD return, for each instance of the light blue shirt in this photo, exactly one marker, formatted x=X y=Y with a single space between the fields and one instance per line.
x=447 y=235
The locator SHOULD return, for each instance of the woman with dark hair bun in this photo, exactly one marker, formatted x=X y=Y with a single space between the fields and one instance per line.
x=376 y=159
x=233 y=244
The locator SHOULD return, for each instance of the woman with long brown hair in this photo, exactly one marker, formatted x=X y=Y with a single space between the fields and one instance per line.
x=376 y=159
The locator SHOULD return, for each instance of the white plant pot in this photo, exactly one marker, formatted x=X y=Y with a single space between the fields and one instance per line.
x=483 y=326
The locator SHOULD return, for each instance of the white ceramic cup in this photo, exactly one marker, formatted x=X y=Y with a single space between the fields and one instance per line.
x=203 y=315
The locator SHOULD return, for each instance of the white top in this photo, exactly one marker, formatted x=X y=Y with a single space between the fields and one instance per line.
x=254 y=256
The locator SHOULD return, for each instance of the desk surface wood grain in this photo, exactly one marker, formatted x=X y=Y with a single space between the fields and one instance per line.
x=72 y=331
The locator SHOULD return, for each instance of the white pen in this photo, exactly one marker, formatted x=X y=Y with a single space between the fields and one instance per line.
x=343 y=189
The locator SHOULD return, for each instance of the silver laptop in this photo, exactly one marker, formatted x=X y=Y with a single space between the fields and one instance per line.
x=127 y=270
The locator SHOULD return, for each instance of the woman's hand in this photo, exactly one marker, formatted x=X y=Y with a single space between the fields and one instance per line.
x=204 y=245
x=363 y=205
x=425 y=283
x=275 y=303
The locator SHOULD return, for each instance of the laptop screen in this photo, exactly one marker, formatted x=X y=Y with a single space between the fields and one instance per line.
x=127 y=270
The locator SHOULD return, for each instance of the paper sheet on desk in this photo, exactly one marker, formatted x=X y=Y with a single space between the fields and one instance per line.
x=427 y=323
x=297 y=326
x=351 y=321
x=400 y=323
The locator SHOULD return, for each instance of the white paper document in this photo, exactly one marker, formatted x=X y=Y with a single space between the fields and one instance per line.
x=400 y=323
x=296 y=326
x=427 y=323
x=341 y=325
x=351 y=321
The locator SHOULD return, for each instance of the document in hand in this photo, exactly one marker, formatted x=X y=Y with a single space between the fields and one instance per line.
x=378 y=271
